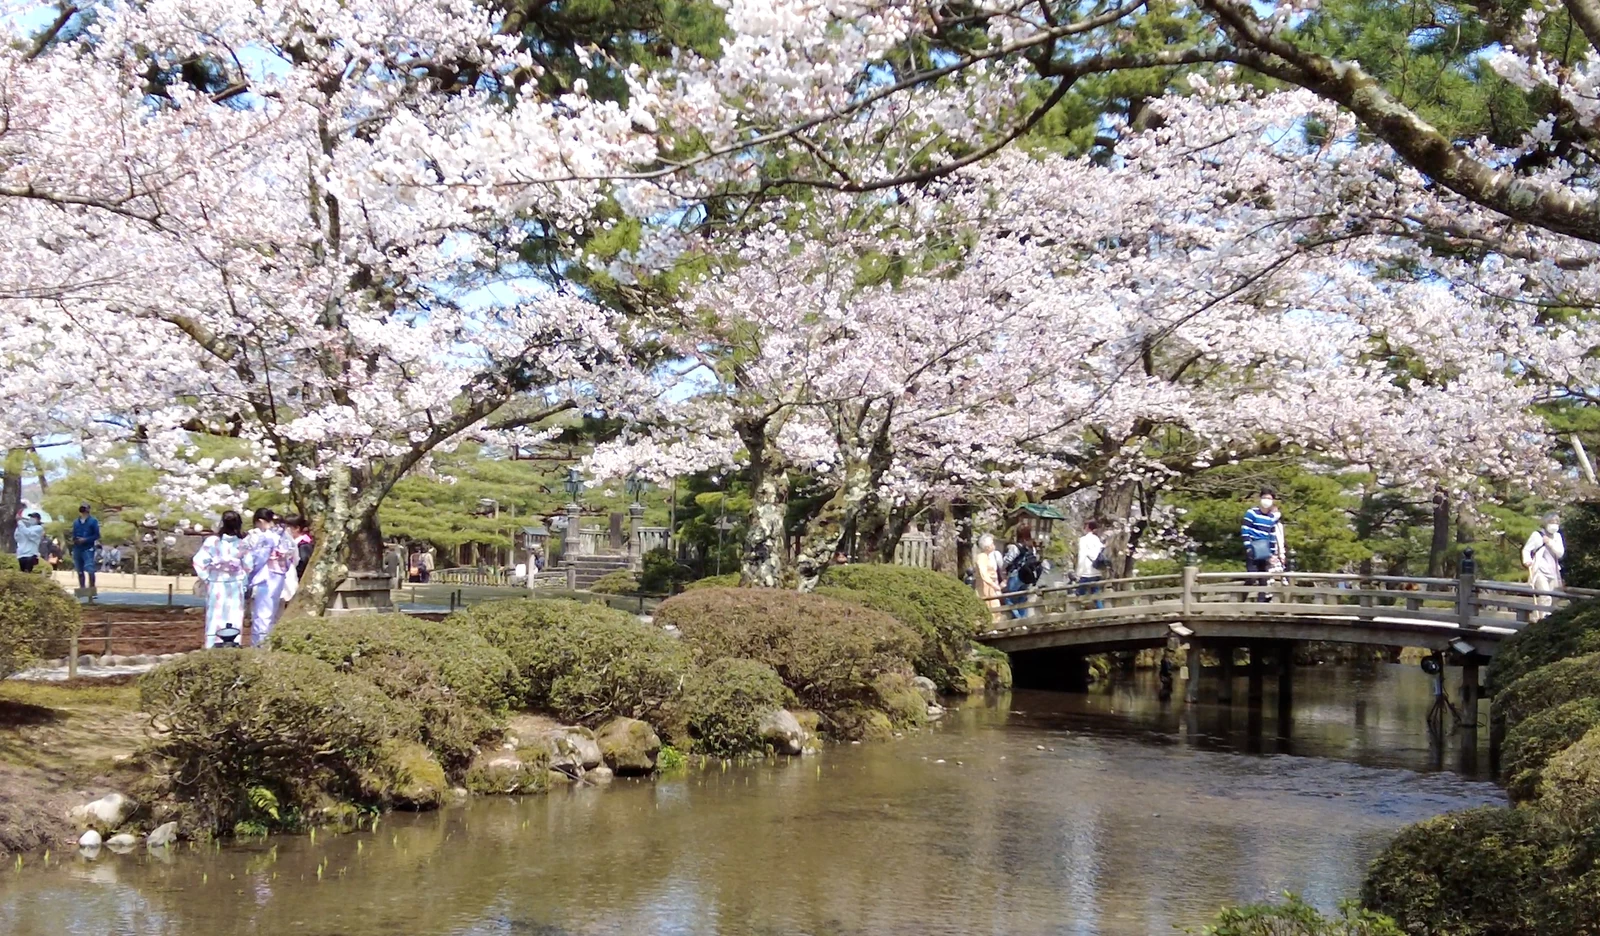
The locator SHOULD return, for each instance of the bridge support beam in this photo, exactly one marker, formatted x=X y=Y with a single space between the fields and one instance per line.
x=1225 y=674
x=1285 y=683
x=1191 y=686
x=1258 y=667
x=1469 y=696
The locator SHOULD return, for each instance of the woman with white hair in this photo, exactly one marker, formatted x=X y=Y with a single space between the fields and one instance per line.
x=986 y=565
x=1542 y=555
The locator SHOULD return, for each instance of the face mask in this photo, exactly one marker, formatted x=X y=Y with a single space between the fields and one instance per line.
x=1266 y=503
x=1552 y=528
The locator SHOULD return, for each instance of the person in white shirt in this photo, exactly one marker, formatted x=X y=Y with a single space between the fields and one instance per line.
x=1541 y=556
x=1091 y=559
x=30 y=533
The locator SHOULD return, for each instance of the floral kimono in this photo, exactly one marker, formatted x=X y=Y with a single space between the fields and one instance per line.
x=271 y=556
x=220 y=563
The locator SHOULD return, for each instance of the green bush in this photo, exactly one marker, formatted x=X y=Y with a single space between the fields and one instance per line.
x=1483 y=872
x=1572 y=631
x=1295 y=917
x=826 y=651
x=616 y=582
x=582 y=661
x=662 y=574
x=9 y=563
x=37 y=619
x=1558 y=683
x=1536 y=739
x=1570 y=790
x=730 y=580
x=253 y=735
x=724 y=701
x=941 y=609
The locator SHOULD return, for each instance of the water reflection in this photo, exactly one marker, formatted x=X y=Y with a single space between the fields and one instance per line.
x=1103 y=814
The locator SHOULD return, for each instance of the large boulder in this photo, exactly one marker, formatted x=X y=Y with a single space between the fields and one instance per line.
x=163 y=835
x=417 y=778
x=104 y=814
x=503 y=772
x=576 y=745
x=629 y=746
x=782 y=732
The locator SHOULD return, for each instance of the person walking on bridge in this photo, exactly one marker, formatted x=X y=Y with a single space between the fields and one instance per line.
x=1541 y=556
x=1092 y=561
x=986 y=565
x=1262 y=532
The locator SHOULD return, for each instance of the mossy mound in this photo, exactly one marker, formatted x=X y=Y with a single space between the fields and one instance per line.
x=900 y=700
x=986 y=670
x=409 y=776
x=827 y=651
x=500 y=773
x=37 y=619
x=723 y=704
x=1483 y=872
x=1572 y=631
x=727 y=580
x=1530 y=745
x=1295 y=917
x=583 y=662
x=618 y=582
x=265 y=738
x=1570 y=787
x=1557 y=683
x=943 y=611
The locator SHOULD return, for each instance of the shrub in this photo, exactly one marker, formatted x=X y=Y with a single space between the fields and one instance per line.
x=724 y=701
x=1570 y=790
x=1572 y=631
x=1548 y=686
x=1484 y=872
x=730 y=580
x=616 y=582
x=826 y=651
x=946 y=613
x=1295 y=917
x=242 y=728
x=9 y=563
x=1531 y=744
x=37 y=618
x=662 y=574
x=582 y=661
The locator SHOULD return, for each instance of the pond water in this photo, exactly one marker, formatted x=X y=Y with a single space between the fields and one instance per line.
x=1043 y=813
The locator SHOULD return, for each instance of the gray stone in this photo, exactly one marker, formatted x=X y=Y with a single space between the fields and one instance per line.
x=86 y=661
x=934 y=711
x=163 y=835
x=780 y=729
x=600 y=775
x=105 y=660
x=122 y=841
x=89 y=839
x=578 y=745
x=629 y=746
x=926 y=686
x=104 y=814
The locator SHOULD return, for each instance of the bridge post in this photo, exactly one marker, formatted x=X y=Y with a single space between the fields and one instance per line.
x=1285 y=681
x=1257 y=669
x=1191 y=686
x=1466 y=590
x=1469 y=696
x=1190 y=575
x=1225 y=677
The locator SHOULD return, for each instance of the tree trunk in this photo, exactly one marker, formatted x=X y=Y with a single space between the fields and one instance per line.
x=961 y=517
x=11 y=498
x=1440 y=547
x=1114 y=508
x=762 y=563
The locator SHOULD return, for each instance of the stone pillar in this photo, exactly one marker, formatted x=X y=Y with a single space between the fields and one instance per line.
x=570 y=537
x=1258 y=667
x=362 y=591
x=1191 y=686
x=1225 y=675
x=1469 y=696
x=635 y=548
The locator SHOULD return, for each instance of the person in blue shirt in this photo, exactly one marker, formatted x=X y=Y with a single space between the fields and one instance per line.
x=85 y=537
x=1262 y=531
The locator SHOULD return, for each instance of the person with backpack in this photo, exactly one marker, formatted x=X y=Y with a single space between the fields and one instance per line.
x=1541 y=556
x=1262 y=532
x=1023 y=568
x=1092 y=561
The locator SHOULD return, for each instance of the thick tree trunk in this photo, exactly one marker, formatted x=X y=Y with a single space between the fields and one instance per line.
x=762 y=563
x=11 y=498
x=343 y=512
x=961 y=517
x=1114 y=508
x=1439 y=549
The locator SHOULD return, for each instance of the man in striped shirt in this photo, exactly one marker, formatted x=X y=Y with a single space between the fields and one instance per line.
x=1263 y=538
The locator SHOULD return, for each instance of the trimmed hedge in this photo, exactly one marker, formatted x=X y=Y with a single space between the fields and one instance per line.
x=585 y=662
x=257 y=737
x=37 y=619
x=1489 y=871
x=727 y=580
x=827 y=651
x=941 y=609
x=1570 y=790
x=1548 y=686
x=724 y=702
x=1572 y=631
x=616 y=582
x=1531 y=744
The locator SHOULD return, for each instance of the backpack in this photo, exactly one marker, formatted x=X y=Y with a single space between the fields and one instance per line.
x=1101 y=562
x=1028 y=566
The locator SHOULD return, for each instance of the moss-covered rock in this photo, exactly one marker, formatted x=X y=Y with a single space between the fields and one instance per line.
x=257 y=736
x=502 y=772
x=1539 y=737
x=986 y=670
x=37 y=619
x=1483 y=872
x=724 y=703
x=629 y=746
x=943 y=611
x=413 y=777
x=859 y=723
x=1557 y=683
x=901 y=700
x=584 y=662
x=1572 y=631
x=826 y=651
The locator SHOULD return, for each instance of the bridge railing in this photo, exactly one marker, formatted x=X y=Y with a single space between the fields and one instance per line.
x=1463 y=602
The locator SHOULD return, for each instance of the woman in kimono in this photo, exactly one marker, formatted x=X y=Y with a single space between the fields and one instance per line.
x=220 y=563
x=271 y=555
x=986 y=563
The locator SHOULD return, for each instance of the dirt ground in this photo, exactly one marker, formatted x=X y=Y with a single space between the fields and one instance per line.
x=61 y=744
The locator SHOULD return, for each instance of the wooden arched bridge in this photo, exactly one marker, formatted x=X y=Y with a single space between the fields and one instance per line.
x=1462 y=619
